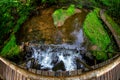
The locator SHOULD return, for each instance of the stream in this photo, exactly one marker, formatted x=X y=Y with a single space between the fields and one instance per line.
x=55 y=49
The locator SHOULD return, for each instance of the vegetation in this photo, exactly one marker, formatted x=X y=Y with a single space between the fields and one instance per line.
x=97 y=35
x=10 y=49
x=12 y=15
x=113 y=24
x=111 y=6
x=60 y=15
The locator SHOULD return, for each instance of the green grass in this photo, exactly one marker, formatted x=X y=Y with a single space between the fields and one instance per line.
x=95 y=32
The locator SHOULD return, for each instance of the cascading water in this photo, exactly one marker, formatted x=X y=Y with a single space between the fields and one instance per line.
x=56 y=49
x=49 y=56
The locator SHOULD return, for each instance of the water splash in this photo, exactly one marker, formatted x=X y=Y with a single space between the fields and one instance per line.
x=48 y=56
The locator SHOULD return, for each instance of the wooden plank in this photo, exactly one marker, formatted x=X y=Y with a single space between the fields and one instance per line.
x=98 y=78
x=108 y=76
x=23 y=77
x=33 y=70
x=79 y=71
x=110 y=72
x=28 y=78
x=1 y=70
x=115 y=74
x=10 y=74
x=118 y=72
x=15 y=76
x=7 y=77
x=51 y=73
x=6 y=72
x=73 y=73
x=39 y=72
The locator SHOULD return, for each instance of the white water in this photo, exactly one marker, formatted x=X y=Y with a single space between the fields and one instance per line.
x=53 y=54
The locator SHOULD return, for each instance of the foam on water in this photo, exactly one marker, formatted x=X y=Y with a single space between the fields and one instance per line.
x=49 y=55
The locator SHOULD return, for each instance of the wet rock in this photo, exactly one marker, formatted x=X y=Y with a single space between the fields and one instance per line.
x=89 y=55
x=59 y=66
x=79 y=65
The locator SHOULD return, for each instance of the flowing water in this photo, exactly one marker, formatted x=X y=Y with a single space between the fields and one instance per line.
x=49 y=56
x=57 y=48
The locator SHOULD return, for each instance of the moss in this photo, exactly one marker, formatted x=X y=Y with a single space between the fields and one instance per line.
x=60 y=15
x=12 y=15
x=10 y=49
x=100 y=55
x=97 y=35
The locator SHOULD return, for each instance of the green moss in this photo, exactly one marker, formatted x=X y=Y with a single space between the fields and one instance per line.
x=100 y=55
x=10 y=49
x=60 y=15
x=97 y=35
x=71 y=10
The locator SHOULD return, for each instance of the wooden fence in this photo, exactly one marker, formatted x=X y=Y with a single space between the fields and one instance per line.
x=108 y=70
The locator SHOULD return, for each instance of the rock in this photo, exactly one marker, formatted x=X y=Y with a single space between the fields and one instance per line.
x=59 y=66
x=60 y=15
x=93 y=48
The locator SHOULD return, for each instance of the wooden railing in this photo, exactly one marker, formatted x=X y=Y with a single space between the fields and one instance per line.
x=111 y=71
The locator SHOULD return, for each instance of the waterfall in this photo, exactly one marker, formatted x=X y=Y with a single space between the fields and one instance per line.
x=49 y=56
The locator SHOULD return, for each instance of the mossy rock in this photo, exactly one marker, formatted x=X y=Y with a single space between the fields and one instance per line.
x=98 y=36
x=60 y=15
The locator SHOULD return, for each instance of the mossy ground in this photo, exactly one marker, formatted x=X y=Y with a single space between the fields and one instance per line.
x=11 y=48
x=96 y=33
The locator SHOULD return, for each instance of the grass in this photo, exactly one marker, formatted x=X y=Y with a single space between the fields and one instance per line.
x=95 y=32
